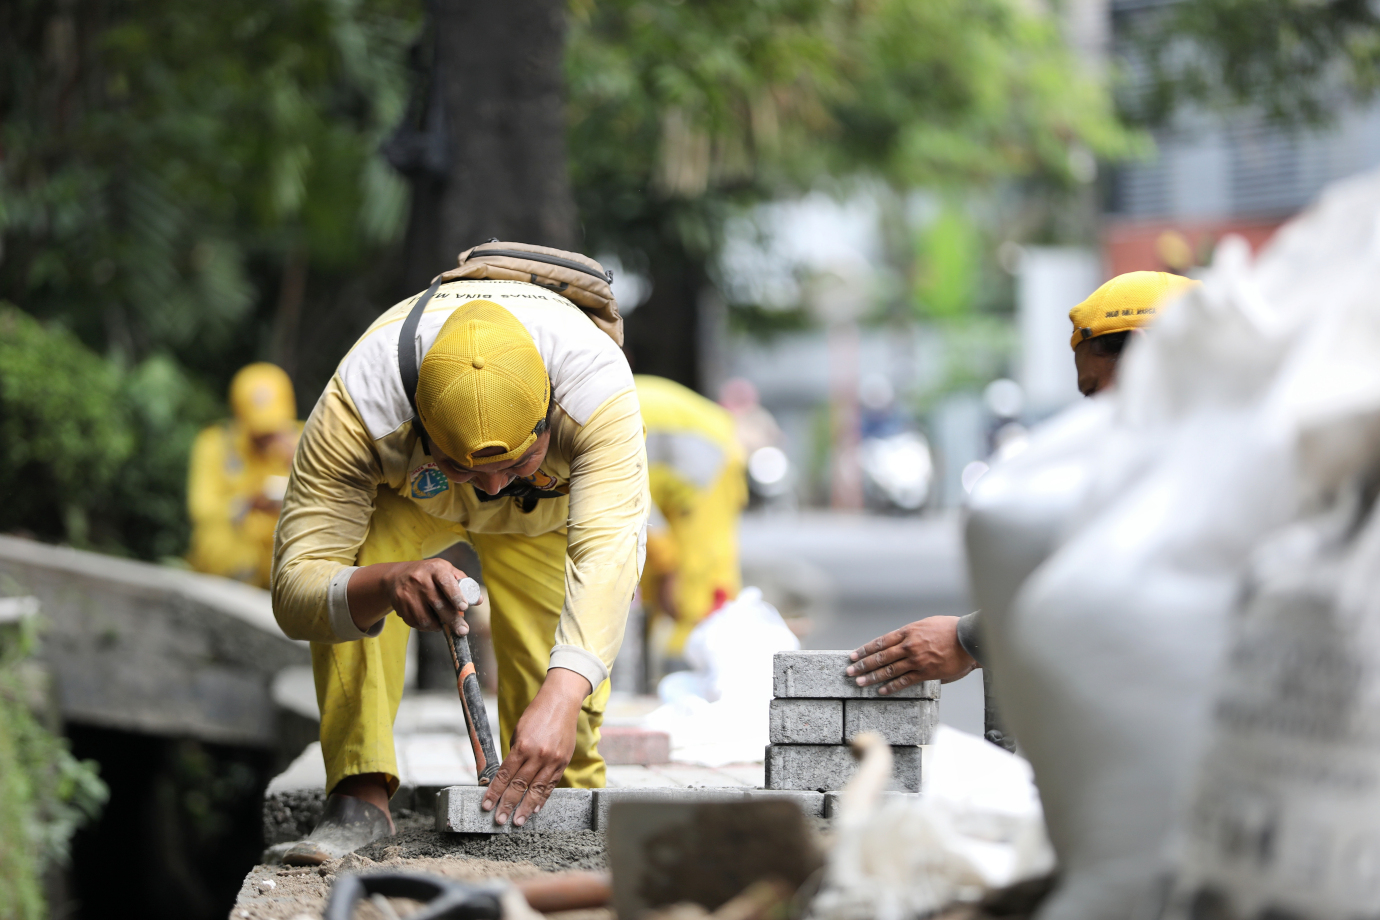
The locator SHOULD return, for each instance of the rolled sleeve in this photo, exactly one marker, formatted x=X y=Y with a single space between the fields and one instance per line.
x=582 y=661
x=338 y=607
x=325 y=518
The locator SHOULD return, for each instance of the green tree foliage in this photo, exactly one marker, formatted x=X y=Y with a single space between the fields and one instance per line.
x=1292 y=59
x=93 y=455
x=171 y=176
x=46 y=794
x=164 y=163
x=681 y=111
x=64 y=428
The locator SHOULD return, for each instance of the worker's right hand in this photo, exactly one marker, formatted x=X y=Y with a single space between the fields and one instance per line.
x=425 y=593
x=927 y=649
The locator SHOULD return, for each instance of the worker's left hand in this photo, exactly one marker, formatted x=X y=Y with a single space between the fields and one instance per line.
x=927 y=649
x=542 y=746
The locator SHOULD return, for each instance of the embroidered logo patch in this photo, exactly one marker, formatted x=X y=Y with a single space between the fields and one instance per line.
x=428 y=481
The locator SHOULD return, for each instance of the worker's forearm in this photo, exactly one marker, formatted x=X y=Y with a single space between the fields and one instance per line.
x=426 y=593
x=369 y=594
x=567 y=685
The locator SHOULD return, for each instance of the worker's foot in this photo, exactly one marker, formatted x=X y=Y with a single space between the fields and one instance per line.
x=347 y=823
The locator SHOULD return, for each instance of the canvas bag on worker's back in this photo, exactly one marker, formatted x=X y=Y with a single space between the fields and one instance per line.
x=578 y=278
x=1105 y=658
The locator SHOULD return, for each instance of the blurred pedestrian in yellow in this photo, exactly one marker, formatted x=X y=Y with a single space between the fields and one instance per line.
x=238 y=476
x=698 y=482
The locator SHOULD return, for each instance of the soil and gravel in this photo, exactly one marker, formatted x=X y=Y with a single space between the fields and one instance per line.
x=283 y=893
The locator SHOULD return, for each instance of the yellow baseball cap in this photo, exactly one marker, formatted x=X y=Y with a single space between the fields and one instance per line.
x=1128 y=301
x=261 y=398
x=483 y=384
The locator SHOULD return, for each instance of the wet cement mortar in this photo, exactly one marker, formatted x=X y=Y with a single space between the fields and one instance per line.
x=283 y=893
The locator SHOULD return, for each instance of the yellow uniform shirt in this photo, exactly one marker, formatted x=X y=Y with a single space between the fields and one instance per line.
x=229 y=536
x=359 y=440
x=699 y=487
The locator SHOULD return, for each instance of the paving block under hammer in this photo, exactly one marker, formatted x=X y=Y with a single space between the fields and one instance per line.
x=807 y=721
x=820 y=675
x=458 y=811
x=829 y=767
x=898 y=721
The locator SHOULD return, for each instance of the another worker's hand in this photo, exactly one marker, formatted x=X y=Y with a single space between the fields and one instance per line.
x=542 y=746
x=425 y=593
x=666 y=596
x=266 y=505
x=927 y=649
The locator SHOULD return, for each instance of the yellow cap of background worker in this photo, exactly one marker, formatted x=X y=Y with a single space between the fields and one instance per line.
x=261 y=398
x=483 y=384
x=1128 y=301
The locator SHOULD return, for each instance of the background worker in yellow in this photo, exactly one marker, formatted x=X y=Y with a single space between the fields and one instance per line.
x=948 y=648
x=699 y=487
x=531 y=445
x=238 y=474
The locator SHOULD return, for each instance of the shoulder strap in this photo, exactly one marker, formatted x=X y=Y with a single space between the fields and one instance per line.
x=407 y=357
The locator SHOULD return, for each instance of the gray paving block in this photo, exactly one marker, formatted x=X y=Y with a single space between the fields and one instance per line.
x=827 y=767
x=832 y=800
x=820 y=675
x=810 y=803
x=898 y=721
x=806 y=721
x=458 y=811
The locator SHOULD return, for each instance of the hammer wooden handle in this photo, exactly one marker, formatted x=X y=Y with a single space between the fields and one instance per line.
x=472 y=702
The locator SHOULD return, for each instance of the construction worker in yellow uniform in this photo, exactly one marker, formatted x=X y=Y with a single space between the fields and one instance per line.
x=527 y=440
x=949 y=648
x=238 y=474
x=699 y=487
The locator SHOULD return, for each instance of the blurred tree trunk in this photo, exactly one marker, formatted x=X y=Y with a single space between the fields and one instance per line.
x=663 y=335
x=496 y=105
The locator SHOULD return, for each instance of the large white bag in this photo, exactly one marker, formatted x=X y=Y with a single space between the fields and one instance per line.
x=1147 y=504
x=1286 y=817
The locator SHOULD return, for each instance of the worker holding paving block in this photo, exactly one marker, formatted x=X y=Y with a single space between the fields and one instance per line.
x=498 y=410
x=948 y=648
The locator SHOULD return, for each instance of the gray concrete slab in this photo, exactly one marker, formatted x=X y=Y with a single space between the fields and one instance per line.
x=828 y=767
x=898 y=721
x=819 y=674
x=806 y=721
x=832 y=801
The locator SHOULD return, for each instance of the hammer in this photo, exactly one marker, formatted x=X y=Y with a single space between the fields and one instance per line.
x=471 y=700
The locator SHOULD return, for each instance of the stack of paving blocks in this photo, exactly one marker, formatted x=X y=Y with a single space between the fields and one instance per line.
x=818 y=709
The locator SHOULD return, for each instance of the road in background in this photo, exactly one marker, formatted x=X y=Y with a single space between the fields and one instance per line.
x=876 y=575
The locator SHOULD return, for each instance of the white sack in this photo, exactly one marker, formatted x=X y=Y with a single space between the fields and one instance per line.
x=977 y=826
x=1286 y=816
x=1147 y=501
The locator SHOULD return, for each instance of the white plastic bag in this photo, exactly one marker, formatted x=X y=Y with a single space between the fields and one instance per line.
x=718 y=712
x=1222 y=429
x=977 y=826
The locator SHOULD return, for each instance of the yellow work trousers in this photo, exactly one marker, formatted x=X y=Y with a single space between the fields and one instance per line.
x=359 y=684
x=706 y=538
